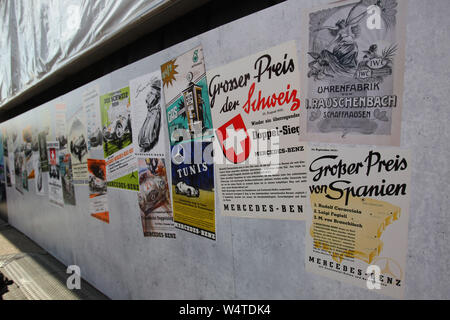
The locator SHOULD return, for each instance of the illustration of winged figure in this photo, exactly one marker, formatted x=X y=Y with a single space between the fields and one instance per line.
x=340 y=55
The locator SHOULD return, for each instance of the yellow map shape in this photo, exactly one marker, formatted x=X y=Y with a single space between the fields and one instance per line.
x=353 y=234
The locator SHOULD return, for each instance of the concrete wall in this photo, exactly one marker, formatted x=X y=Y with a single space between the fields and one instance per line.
x=261 y=259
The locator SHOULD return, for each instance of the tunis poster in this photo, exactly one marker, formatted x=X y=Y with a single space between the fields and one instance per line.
x=77 y=143
x=149 y=139
x=260 y=162
x=193 y=188
x=352 y=69
x=55 y=193
x=190 y=133
x=121 y=166
x=98 y=197
x=357 y=222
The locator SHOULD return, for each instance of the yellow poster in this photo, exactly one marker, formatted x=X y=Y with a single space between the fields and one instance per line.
x=357 y=222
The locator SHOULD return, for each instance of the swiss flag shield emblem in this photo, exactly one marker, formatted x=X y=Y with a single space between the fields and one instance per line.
x=234 y=139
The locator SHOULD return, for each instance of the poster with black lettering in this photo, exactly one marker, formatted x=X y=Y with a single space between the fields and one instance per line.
x=77 y=143
x=98 y=196
x=259 y=161
x=91 y=106
x=154 y=199
x=39 y=186
x=27 y=142
x=2 y=169
x=45 y=132
x=121 y=164
x=65 y=170
x=193 y=188
x=60 y=125
x=5 y=153
x=12 y=136
x=55 y=193
x=352 y=72
x=357 y=221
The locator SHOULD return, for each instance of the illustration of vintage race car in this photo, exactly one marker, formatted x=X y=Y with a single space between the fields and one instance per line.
x=78 y=147
x=153 y=193
x=96 y=184
x=117 y=128
x=185 y=189
x=96 y=138
x=149 y=133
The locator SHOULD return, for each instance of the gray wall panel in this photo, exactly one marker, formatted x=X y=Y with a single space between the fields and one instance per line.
x=261 y=258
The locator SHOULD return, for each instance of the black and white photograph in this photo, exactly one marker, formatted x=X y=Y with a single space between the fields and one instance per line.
x=147 y=116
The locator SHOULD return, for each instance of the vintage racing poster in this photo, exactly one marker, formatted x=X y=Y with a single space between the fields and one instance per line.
x=91 y=107
x=60 y=125
x=45 y=132
x=11 y=153
x=19 y=164
x=193 y=188
x=5 y=155
x=65 y=167
x=260 y=163
x=353 y=66
x=27 y=146
x=147 y=116
x=55 y=193
x=357 y=222
x=154 y=199
x=190 y=132
x=121 y=166
x=77 y=143
x=2 y=168
x=186 y=96
x=98 y=197
x=150 y=149
x=38 y=183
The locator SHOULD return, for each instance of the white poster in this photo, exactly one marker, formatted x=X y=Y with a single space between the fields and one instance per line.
x=40 y=189
x=259 y=162
x=77 y=143
x=147 y=116
x=357 y=223
x=60 y=125
x=149 y=147
x=91 y=105
x=352 y=72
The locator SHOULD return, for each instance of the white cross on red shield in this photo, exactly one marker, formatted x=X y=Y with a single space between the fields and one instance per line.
x=52 y=156
x=234 y=139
